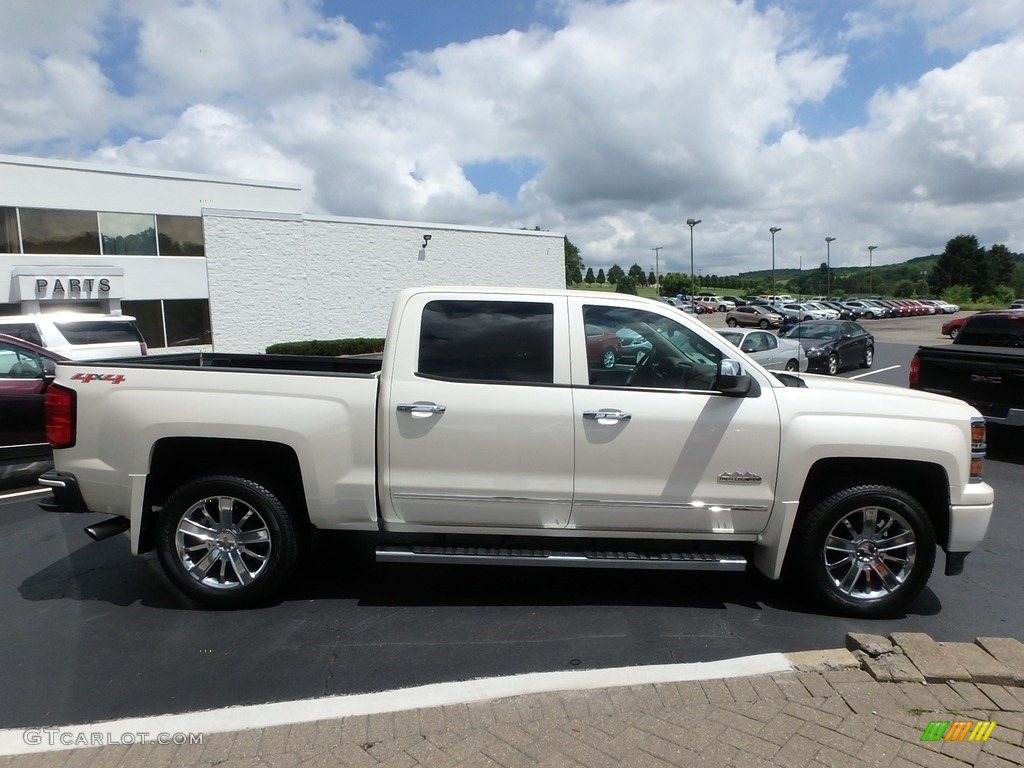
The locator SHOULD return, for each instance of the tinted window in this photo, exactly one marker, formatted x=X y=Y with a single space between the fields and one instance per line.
x=51 y=231
x=9 y=242
x=98 y=331
x=24 y=331
x=149 y=317
x=488 y=341
x=992 y=331
x=180 y=235
x=188 y=322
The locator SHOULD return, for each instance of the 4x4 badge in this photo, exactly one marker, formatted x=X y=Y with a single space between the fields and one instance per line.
x=110 y=378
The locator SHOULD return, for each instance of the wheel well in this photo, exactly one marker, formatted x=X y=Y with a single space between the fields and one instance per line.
x=926 y=482
x=176 y=460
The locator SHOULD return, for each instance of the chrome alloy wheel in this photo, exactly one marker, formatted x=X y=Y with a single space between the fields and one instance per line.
x=222 y=542
x=869 y=553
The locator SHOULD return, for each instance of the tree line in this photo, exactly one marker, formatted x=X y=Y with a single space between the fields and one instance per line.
x=964 y=272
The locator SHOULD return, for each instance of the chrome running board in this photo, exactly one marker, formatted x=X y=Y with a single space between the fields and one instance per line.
x=681 y=561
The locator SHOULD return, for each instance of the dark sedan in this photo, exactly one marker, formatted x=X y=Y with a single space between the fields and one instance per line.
x=832 y=345
x=25 y=372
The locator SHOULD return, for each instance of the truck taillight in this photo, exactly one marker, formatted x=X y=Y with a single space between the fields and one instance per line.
x=978 y=448
x=60 y=416
x=915 y=371
x=145 y=349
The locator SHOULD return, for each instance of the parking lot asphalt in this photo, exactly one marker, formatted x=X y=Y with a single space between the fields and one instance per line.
x=901 y=701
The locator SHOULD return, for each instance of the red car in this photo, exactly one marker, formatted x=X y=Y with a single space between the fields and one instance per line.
x=952 y=327
x=604 y=348
x=25 y=372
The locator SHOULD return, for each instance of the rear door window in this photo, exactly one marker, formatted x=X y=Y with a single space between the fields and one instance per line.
x=488 y=341
x=25 y=331
x=99 y=332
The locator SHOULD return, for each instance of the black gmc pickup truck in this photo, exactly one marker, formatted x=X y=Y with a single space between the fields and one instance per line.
x=983 y=366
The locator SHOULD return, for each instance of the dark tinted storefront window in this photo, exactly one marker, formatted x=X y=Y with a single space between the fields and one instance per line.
x=150 y=320
x=45 y=230
x=188 y=322
x=499 y=341
x=9 y=231
x=180 y=235
x=128 y=234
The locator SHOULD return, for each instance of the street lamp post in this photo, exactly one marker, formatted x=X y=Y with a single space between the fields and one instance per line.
x=657 y=267
x=871 y=252
x=691 y=223
x=828 y=267
x=773 y=230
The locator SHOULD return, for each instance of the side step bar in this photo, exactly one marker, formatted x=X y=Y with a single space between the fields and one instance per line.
x=682 y=561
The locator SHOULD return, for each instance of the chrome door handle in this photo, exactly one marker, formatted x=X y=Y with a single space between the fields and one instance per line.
x=420 y=409
x=607 y=414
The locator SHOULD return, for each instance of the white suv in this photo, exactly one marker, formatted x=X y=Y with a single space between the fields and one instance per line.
x=78 y=336
x=724 y=305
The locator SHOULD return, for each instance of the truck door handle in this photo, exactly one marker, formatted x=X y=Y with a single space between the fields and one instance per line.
x=420 y=410
x=607 y=414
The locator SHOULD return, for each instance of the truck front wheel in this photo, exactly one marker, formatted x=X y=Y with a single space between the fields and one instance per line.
x=866 y=551
x=226 y=541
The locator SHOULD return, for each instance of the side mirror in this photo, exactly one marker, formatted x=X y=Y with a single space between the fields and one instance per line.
x=731 y=379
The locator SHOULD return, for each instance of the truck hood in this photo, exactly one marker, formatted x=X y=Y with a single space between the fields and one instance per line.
x=838 y=395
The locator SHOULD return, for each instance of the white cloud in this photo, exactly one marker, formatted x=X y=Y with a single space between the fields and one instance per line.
x=639 y=114
x=253 y=51
x=960 y=25
x=218 y=142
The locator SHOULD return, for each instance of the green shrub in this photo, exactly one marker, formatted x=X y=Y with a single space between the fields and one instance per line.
x=328 y=348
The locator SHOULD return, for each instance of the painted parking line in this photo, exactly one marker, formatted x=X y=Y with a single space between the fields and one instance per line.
x=872 y=373
x=18 y=494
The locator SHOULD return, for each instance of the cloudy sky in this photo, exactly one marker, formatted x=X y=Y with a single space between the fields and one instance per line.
x=895 y=123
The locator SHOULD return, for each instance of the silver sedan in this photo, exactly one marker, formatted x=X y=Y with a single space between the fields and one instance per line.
x=768 y=349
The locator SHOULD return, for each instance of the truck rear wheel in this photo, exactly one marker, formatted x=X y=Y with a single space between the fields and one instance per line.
x=226 y=541
x=866 y=551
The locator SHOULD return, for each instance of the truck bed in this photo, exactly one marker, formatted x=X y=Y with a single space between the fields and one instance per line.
x=367 y=365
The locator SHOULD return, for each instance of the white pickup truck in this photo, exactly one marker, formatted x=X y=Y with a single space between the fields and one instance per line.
x=497 y=428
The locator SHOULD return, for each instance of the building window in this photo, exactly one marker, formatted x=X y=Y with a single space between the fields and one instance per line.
x=45 y=230
x=9 y=241
x=149 y=317
x=172 y=322
x=187 y=322
x=180 y=235
x=128 y=234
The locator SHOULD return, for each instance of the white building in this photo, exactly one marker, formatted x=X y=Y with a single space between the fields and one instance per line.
x=204 y=261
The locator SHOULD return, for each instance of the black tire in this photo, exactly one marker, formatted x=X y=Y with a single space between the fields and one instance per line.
x=869 y=357
x=832 y=364
x=609 y=358
x=227 y=542
x=792 y=366
x=869 y=315
x=764 y=325
x=865 y=551
x=953 y=332
x=732 y=322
